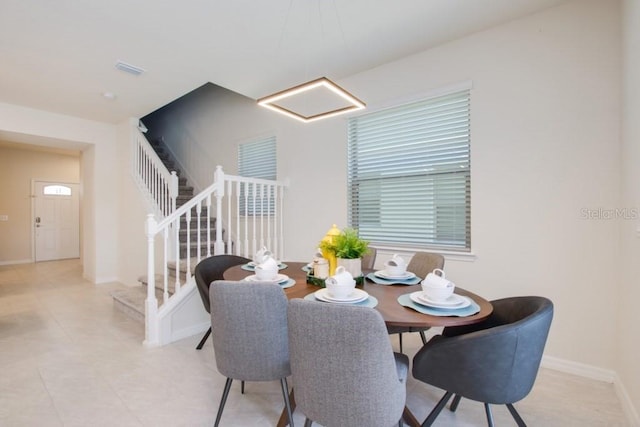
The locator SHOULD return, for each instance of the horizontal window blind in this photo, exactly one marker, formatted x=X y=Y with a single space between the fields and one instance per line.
x=257 y=159
x=409 y=174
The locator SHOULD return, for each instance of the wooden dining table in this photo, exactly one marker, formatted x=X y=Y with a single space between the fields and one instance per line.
x=392 y=312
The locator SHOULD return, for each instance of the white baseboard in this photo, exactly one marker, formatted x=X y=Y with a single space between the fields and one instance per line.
x=16 y=261
x=598 y=374
x=579 y=369
x=629 y=410
x=102 y=280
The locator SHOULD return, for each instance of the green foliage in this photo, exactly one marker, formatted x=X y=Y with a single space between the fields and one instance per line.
x=348 y=245
x=327 y=246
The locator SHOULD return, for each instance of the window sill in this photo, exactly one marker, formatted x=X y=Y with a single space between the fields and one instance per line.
x=448 y=255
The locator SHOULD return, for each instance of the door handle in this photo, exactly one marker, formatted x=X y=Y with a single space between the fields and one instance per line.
x=37 y=220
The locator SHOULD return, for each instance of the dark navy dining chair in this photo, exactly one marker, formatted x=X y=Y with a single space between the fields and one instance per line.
x=494 y=362
x=208 y=270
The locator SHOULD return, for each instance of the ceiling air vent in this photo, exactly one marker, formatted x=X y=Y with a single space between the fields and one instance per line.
x=128 y=68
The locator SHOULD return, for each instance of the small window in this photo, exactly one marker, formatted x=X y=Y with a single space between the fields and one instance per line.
x=409 y=176
x=257 y=159
x=57 y=190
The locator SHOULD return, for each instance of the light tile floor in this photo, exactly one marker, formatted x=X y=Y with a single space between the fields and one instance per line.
x=68 y=358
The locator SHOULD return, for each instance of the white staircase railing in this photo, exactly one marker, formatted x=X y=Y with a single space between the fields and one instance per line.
x=159 y=186
x=246 y=214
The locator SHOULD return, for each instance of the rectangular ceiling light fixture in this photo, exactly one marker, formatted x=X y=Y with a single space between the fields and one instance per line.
x=310 y=101
x=128 y=68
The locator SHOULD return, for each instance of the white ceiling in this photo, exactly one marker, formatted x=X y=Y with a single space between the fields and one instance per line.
x=60 y=55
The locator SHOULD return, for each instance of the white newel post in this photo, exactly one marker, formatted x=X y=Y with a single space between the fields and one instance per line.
x=151 y=304
x=218 y=179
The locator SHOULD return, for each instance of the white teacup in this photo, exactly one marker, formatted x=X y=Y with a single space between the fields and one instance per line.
x=262 y=255
x=341 y=284
x=436 y=279
x=436 y=287
x=267 y=270
x=396 y=266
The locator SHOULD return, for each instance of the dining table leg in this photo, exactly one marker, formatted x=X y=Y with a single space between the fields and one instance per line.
x=284 y=418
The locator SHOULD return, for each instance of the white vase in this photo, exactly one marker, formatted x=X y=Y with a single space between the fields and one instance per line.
x=353 y=266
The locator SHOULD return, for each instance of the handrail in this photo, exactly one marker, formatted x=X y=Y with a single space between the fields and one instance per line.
x=250 y=209
x=158 y=184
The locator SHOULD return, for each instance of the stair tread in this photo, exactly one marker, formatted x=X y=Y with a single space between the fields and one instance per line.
x=134 y=300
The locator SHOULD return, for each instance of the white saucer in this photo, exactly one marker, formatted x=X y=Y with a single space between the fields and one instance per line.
x=455 y=301
x=357 y=295
x=253 y=264
x=407 y=275
x=279 y=278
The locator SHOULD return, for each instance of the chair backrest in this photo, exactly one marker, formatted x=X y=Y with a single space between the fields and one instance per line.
x=369 y=259
x=496 y=361
x=249 y=329
x=342 y=364
x=213 y=268
x=423 y=263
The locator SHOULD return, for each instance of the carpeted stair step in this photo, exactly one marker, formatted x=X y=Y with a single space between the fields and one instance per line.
x=194 y=248
x=182 y=199
x=186 y=190
x=193 y=234
x=132 y=301
x=194 y=220
x=171 y=267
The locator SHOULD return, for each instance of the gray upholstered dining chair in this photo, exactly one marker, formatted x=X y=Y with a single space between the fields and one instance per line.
x=249 y=324
x=494 y=362
x=208 y=270
x=343 y=368
x=369 y=259
x=421 y=264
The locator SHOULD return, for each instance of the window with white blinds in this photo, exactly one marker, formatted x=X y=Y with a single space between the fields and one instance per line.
x=409 y=174
x=256 y=159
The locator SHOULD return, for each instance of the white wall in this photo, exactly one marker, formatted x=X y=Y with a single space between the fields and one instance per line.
x=202 y=129
x=545 y=145
x=99 y=208
x=18 y=168
x=132 y=251
x=312 y=156
x=628 y=330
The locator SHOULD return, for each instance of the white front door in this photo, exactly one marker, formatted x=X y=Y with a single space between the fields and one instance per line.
x=56 y=221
